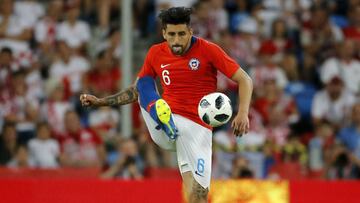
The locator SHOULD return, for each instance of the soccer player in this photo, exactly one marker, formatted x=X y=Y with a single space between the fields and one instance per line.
x=187 y=67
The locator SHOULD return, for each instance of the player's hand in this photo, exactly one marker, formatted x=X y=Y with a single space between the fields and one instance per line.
x=240 y=124
x=89 y=100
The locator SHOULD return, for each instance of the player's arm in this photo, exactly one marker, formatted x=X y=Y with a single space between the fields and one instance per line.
x=126 y=96
x=231 y=69
x=245 y=90
x=240 y=123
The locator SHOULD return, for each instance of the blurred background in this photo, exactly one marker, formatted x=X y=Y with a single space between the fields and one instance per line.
x=303 y=57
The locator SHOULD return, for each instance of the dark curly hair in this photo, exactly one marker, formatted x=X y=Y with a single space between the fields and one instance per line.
x=175 y=16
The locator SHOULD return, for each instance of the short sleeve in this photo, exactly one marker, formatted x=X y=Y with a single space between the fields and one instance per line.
x=221 y=60
x=147 y=68
x=318 y=106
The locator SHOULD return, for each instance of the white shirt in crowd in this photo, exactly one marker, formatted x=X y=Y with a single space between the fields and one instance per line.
x=45 y=31
x=34 y=83
x=221 y=17
x=348 y=71
x=44 y=153
x=29 y=11
x=73 y=71
x=54 y=114
x=261 y=73
x=15 y=27
x=74 y=35
x=333 y=111
x=103 y=118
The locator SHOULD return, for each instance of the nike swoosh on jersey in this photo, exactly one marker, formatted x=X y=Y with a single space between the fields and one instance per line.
x=163 y=66
x=197 y=173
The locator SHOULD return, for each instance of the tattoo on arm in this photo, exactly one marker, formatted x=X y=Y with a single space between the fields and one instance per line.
x=126 y=96
x=199 y=193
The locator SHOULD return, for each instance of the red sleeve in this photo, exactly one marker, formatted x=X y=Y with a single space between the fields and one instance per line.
x=147 y=68
x=221 y=60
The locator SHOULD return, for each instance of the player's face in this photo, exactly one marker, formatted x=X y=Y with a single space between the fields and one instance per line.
x=178 y=37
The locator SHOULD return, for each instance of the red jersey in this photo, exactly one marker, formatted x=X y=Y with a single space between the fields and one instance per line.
x=187 y=78
x=81 y=145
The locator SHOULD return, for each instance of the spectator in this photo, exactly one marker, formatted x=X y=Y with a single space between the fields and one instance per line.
x=332 y=104
x=222 y=164
x=350 y=136
x=346 y=66
x=114 y=45
x=80 y=147
x=34 y=81
x=45 y=30
x=353 y=31
x=280 y=39
x=74 y=32
x=7 y=64
x=246 y=44
x=14 y=33
x=29 y=11
x=6 y=69
x=54 y=108
x=277 y=129
x=256 y=137
x=239 y=15
x=295 y=151
x=341 y=166
x=240 y=168
x=69 y=68
x=129 y=165
x=104 y=78
x=267 y=69
x=290 y=67
x=21 y=159
x=43 y=150
x=319 y=148
x=8 y=143
x=145 y=19
x=219 y=14
x=273 y=97
x=23 y=108
x=202 y=23
x=319 y=36
x=104 y=121
x=111 y=45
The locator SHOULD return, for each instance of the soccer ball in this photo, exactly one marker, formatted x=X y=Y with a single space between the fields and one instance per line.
x=215 y=109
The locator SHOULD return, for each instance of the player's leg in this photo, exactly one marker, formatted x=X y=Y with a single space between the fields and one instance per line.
x=193 y=147
x=195 y=192
x=157 y=135
x=158 y=109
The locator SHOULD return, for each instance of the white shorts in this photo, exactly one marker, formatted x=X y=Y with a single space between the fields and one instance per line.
x=193 y=146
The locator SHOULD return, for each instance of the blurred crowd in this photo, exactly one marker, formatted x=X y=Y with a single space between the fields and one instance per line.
x=303 y=57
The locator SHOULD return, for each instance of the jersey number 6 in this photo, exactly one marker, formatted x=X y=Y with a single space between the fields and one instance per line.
x=165 y=75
